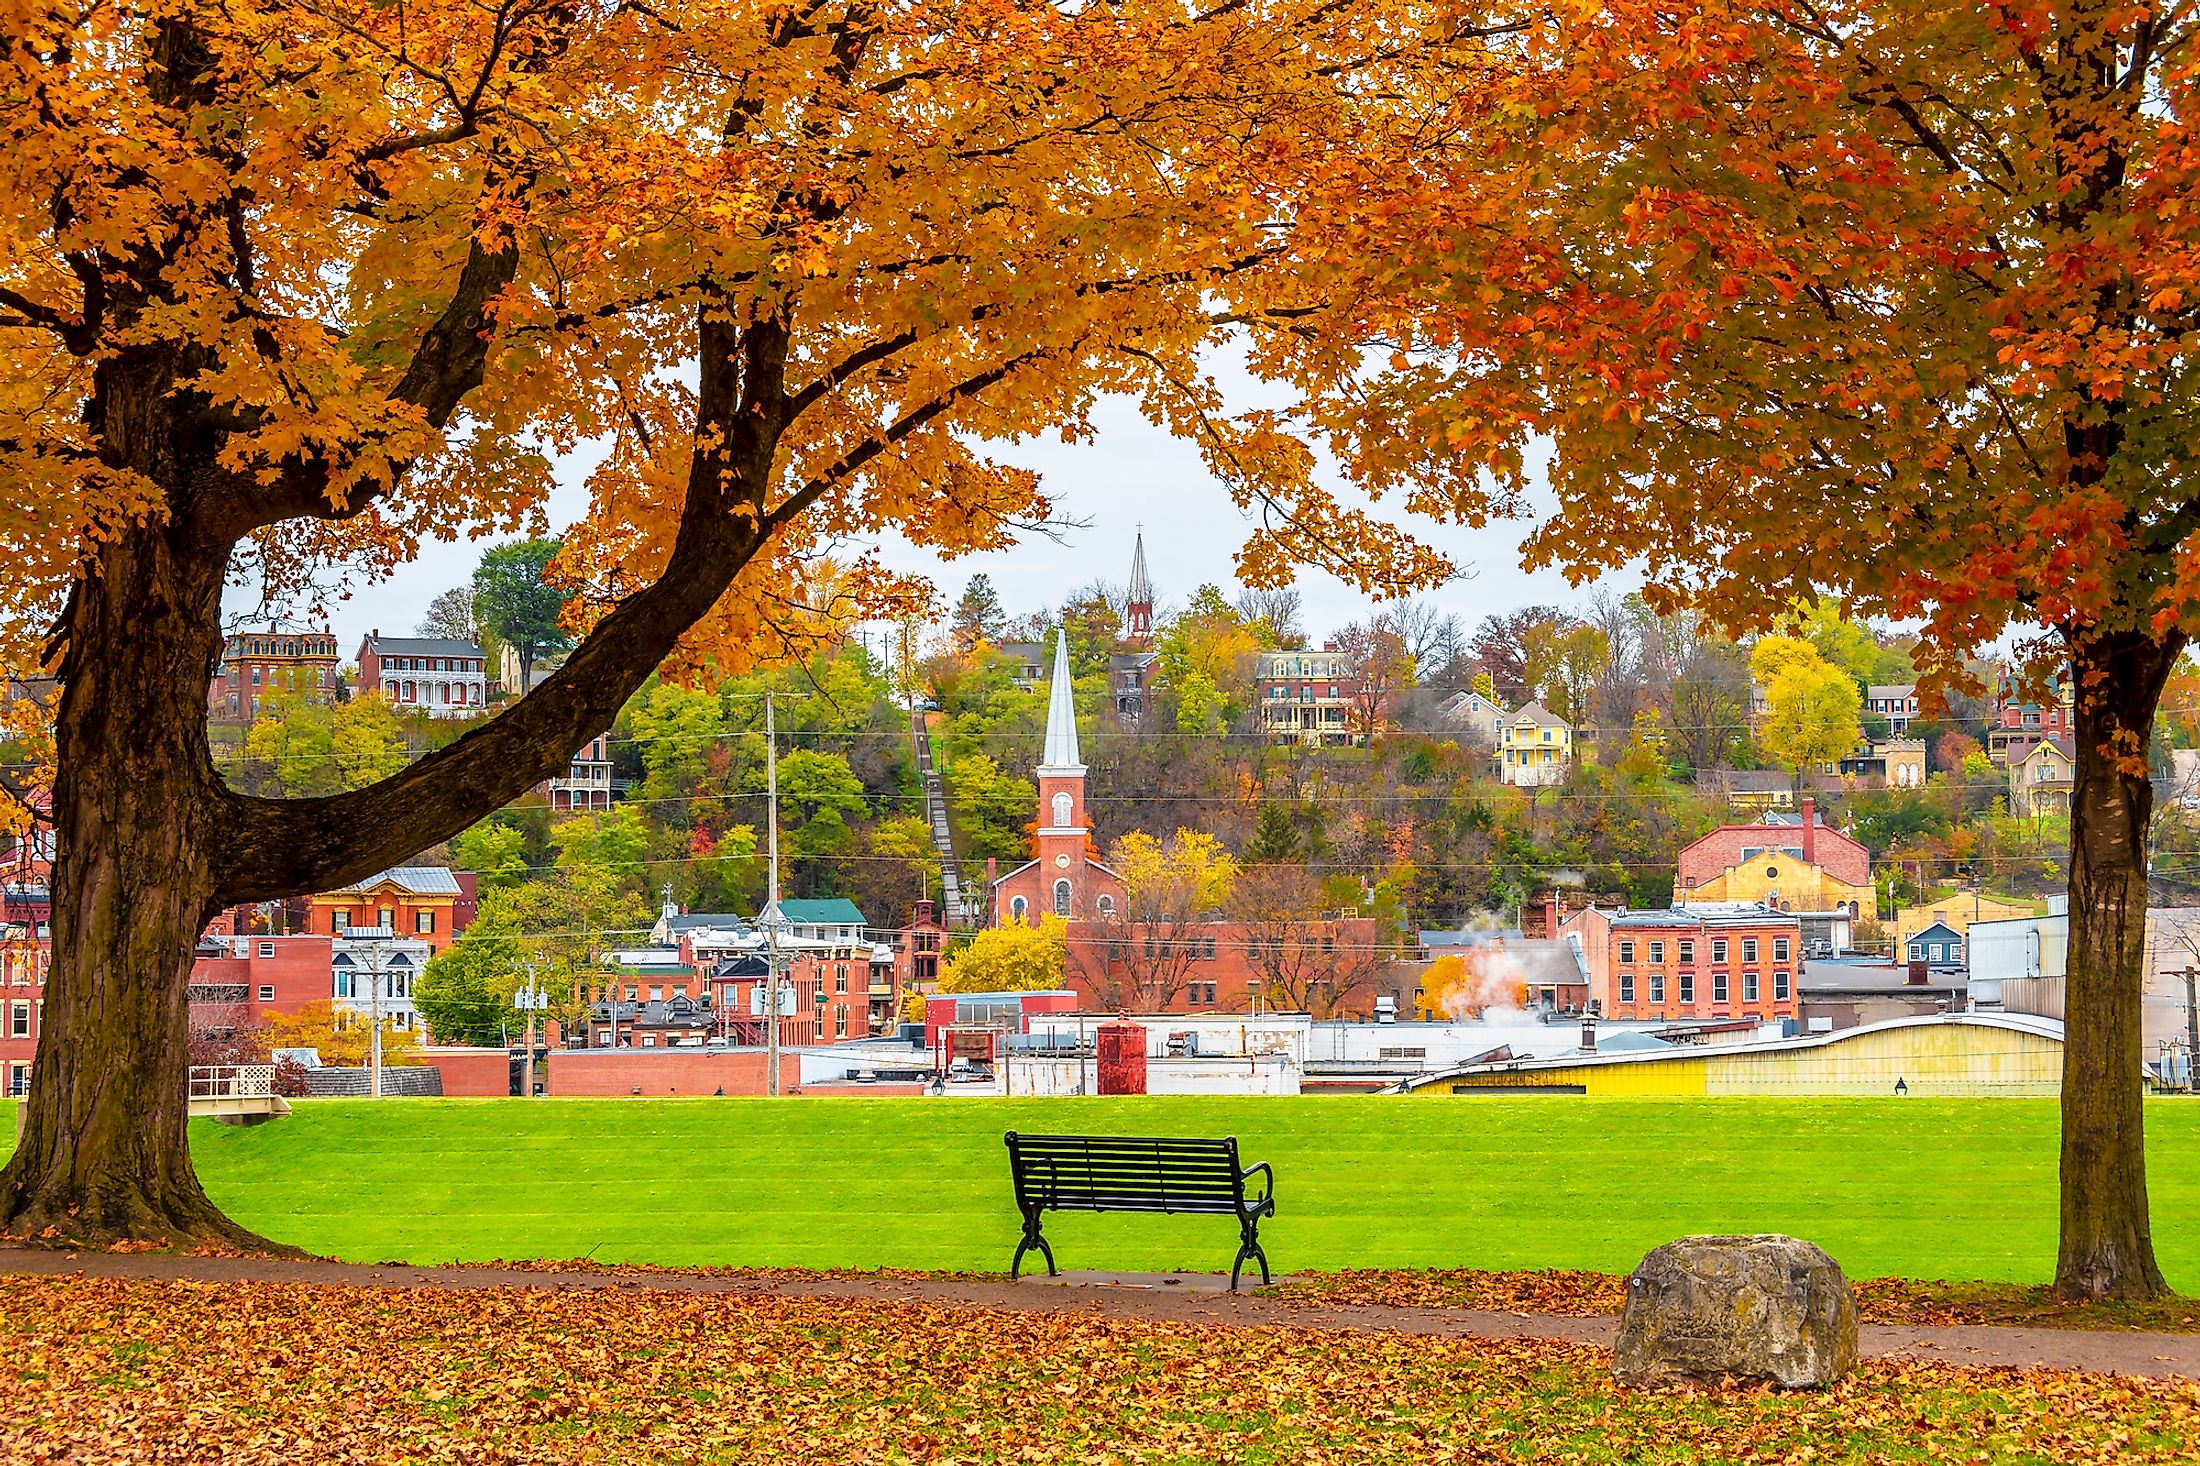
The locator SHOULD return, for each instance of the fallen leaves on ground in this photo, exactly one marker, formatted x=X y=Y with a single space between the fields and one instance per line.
x=102 y=1370
x=1586 y=1294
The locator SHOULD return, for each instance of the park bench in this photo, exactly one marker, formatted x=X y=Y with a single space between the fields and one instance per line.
x=1137 y=1173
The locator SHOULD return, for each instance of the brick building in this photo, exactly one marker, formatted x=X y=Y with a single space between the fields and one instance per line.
x=26 y=953
x=1801 y=862
x=443 y=677
x=420 y=901
x=587 y=784
x=2016 y=726
x=1307 y=697
x=258 y=667
x=240 y=980
x=1185 y=966
x=1732 y=962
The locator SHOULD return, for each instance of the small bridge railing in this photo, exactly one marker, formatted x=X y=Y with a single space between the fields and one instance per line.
x=232 y=1081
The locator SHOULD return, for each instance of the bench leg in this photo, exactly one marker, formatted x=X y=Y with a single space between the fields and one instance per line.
x=1032 y=1241
x=1248 y=1250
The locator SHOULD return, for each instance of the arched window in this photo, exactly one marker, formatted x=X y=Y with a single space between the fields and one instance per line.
x=1107 y=906
x=1061 y=810
x=1017 y=906
x=1061 y=898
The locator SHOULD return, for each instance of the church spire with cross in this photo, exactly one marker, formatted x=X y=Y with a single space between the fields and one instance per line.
x=1138 y=608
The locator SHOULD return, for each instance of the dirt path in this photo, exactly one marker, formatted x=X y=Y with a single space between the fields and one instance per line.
x=1168 y=1299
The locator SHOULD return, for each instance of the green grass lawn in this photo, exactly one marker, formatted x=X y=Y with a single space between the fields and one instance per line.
x=1959 y=1189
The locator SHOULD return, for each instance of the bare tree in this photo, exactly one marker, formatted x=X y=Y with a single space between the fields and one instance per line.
x=1428 y=634
x=1280 y=609
x=451 y=615
x=1292 y=948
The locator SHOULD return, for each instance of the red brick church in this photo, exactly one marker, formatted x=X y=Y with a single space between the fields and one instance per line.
x=1064 y=880
x=1325 y=963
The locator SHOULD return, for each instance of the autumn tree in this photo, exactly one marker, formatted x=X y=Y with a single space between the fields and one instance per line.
x=1810 y=704
x=288 y=286
x=1139 y=953
x=1015 y=958
x=1752 y=272
x=1376 y=667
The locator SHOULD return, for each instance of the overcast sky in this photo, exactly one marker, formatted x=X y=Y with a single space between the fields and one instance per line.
x=1133 y=474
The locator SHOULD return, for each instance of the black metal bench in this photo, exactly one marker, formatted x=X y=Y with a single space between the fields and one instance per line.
x=1137 y=1173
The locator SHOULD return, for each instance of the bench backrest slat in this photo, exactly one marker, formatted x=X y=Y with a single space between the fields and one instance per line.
x=1126 y=1173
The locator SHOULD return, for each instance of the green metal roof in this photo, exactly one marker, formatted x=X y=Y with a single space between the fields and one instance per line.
x=836 y=911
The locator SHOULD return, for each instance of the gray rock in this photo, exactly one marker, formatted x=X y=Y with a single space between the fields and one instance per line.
x=1758 y=1308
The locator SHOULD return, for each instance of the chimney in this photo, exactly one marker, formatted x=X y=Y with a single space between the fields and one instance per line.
x=1588 y=1033
x=1810 y=831
x=1550 y=916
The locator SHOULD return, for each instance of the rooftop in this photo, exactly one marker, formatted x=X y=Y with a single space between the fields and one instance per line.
x=421 y=646
x=413 y=880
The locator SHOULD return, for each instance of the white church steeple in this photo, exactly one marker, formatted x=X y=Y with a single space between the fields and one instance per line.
x=1061 y=745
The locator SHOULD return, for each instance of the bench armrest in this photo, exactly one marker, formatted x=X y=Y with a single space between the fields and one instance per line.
x=1266 y=1201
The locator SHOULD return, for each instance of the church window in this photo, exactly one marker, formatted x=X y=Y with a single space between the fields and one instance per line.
x=1107 y=906
x=1061 y=810
x=1061 y=898
x=1017 y=906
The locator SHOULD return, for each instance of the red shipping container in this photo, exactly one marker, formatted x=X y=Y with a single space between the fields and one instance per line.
x=1121 y=1050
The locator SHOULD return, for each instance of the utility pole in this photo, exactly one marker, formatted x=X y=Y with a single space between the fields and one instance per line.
x=531 y=1000
x=2192 y=1029
x=374 y=1036
x=771 y=904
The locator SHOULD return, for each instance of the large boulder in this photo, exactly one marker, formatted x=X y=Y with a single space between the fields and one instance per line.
x=1765 y=1308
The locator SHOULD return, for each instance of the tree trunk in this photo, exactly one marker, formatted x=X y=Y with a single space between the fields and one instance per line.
x=103 y=1154
x=2107 y=1248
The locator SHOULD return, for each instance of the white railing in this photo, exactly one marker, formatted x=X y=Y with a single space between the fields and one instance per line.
x=232 y=1081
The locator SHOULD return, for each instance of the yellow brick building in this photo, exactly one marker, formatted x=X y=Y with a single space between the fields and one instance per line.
x=1955 y=1054
x=1956 y=912
x=1782 y=874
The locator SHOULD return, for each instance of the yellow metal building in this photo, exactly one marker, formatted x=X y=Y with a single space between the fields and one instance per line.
x=1952 y=1054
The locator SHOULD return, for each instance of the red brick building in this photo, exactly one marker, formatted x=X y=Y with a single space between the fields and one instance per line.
x=256 y=977
x=258 y=667
x=442 y=677
x=1804 y=835
x=1187 y=966
x=26 y=953
x=1741 y=963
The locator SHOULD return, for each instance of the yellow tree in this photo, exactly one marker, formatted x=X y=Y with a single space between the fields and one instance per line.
x=1143 y=949
x=1811 y=706
x=286 y=285
x=1010 y=959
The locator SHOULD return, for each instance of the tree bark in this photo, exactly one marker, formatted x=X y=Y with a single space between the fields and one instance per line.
x=2107 y=1246
x=103 y=1153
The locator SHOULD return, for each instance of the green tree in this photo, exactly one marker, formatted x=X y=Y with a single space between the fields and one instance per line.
x=496 y=853
x=977 y=616
x=813 y=784
x=993 y=808
x=515 y=605
x=675 y=728
x=465 y=992
x=1275 y=841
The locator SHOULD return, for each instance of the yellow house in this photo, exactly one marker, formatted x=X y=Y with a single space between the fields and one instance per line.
x=1952 y=1054
x=1534 y=746
x=1956 y=913
x=1785 y=877
x=2041 y=781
